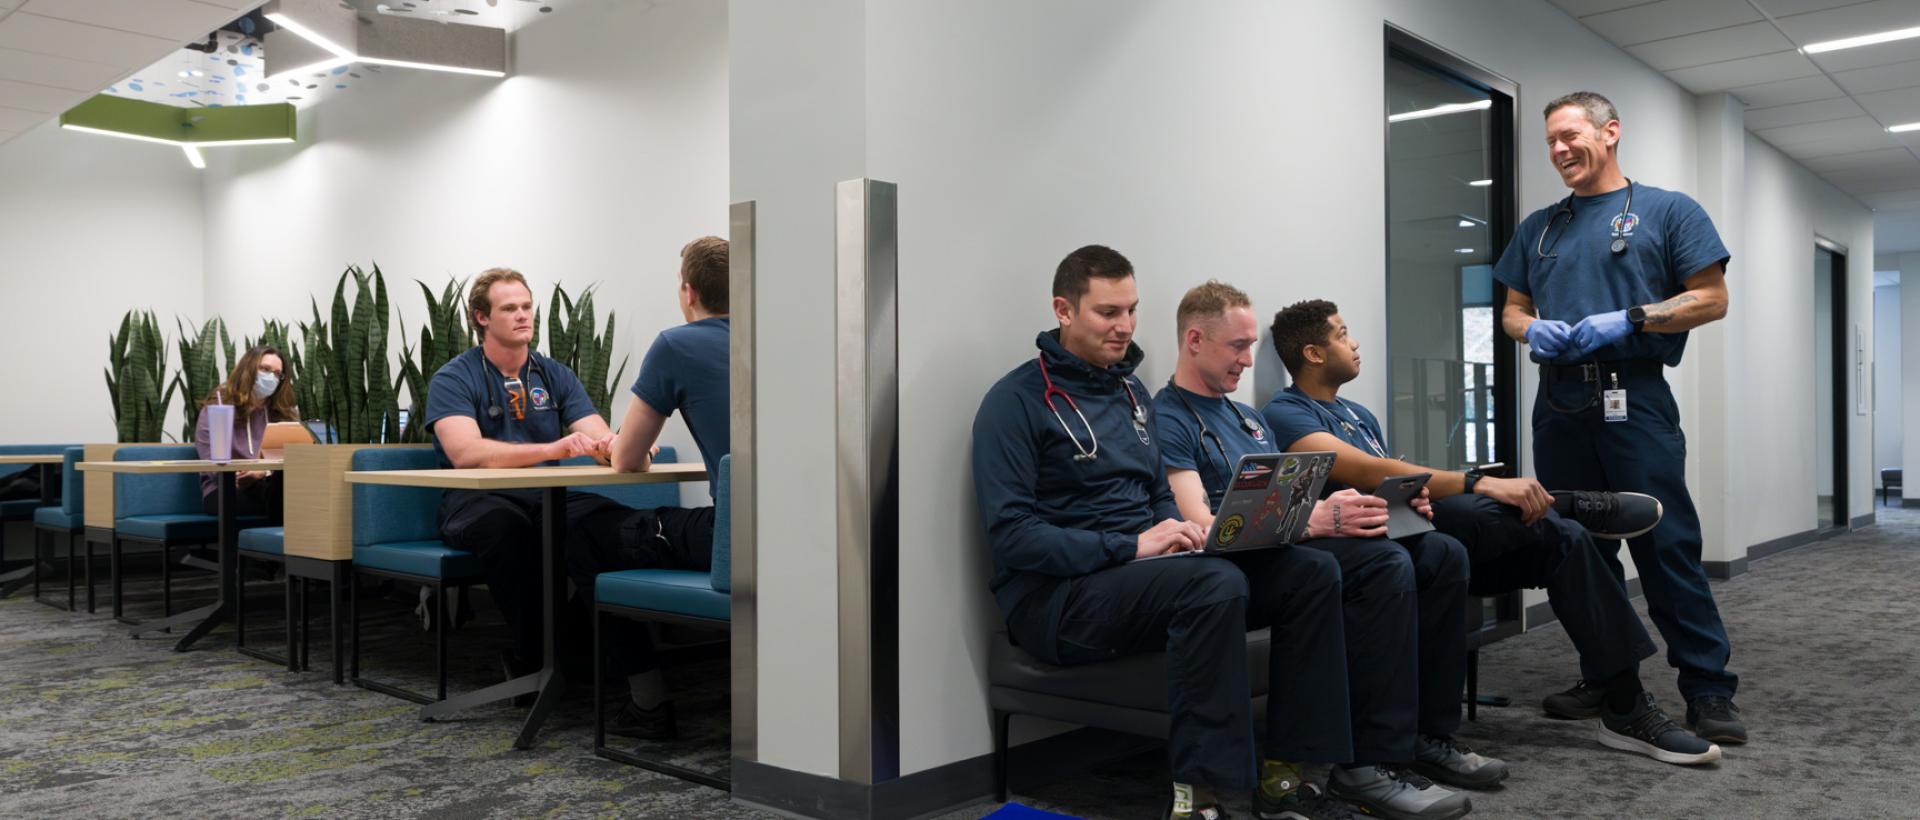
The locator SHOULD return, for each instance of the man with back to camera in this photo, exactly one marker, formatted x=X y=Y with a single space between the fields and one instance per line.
x=1604 y=287
x=501 y=404
x=1070 y=491
x=1513 y=534
x=684 y=370
x=1388 y=612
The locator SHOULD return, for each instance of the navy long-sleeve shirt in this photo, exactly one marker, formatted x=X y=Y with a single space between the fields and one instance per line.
x=1046 y=512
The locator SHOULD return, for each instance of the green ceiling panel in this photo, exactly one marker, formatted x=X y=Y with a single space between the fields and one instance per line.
x=152 y=120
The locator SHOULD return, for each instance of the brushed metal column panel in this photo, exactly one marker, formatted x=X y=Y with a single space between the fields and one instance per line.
x=866 y=380
x=744 y=495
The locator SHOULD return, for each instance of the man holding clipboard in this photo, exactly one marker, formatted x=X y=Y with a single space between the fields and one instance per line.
x=1515 y=538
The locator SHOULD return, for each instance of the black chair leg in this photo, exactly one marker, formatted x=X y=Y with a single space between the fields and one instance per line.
x=599 y=713
x=115 y=581
x=88 y=542
x=353 y=615
x=341 y=581
x=166 y=581
x=1001 y=723
x=73 y=571
x=289 y=588
x=36 y=562
x=1473 y=684
x=440 y=639
x=240 y=602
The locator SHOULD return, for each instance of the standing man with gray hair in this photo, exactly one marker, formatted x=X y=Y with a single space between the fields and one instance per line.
x=1603 y=286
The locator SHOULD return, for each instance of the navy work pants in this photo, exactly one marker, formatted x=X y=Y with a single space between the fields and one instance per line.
x=1198 y=610
x=1574 y=447
x=1432 y=660
x=1560 y=556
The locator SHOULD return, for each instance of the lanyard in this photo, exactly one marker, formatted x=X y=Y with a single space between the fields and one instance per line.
x=1207 y=435
x=1092 y=450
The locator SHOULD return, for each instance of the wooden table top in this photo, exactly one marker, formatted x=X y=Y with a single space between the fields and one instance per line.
x=525 y=478
x=181 y=466
x=35 y=458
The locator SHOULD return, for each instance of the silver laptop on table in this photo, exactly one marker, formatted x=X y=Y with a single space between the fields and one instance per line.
x=1268 y=503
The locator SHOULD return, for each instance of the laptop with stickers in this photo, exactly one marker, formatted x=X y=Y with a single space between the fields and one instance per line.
x=1268 y=503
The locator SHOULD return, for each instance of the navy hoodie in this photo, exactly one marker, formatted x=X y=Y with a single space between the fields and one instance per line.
x=1047 y=514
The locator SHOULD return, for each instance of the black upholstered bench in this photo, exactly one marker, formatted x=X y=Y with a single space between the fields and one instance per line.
x=1124 y=695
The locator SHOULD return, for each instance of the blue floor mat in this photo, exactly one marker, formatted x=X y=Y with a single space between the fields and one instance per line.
x=1015 y=811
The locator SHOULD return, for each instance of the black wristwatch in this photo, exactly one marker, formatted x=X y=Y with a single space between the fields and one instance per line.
x=1638 y=316
x=1473 y=477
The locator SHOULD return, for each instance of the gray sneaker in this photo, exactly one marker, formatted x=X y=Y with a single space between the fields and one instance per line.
x=1451 y=762
x=1384 y=791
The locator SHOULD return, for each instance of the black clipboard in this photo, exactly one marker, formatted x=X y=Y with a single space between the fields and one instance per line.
x=1399 y=492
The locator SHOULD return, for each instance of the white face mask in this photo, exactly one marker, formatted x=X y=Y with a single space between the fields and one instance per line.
x=264 y=383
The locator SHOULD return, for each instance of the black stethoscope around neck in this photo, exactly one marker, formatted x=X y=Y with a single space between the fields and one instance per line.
x=1092 y=450
x=1544 y=250
x=1207 y=435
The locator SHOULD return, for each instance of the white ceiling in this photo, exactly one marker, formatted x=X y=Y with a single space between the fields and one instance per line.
x=54 y=54
x=1828 y=111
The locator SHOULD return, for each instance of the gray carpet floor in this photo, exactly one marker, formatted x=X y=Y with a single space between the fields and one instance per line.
x=95 y=725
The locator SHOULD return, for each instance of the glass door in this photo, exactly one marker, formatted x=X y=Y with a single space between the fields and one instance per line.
x=1831 y=356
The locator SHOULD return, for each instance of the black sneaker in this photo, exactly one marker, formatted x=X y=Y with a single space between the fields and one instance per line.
x=643 y=724
x=1647 y=730
x=1610 y=515
x=1717 y=719
x=1582 y=702
x=1397 y=794
x=1305 y=803
x=1449 y=761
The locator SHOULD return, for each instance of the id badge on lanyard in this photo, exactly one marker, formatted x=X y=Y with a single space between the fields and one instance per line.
x=1613 y=403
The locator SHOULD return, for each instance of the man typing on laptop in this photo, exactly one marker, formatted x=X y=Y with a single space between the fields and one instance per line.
x=1070 y=491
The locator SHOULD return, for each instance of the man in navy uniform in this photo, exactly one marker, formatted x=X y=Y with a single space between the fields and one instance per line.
x=1604 y=286
x=1513 y=533
x=1071 y=494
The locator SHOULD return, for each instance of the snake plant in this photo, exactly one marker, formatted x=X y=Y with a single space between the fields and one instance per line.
x=136 y=371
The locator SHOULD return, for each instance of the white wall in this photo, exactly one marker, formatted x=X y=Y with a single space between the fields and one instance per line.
x=1771 y=325
x=90 y=227
x=1888 y=436
x=602 y=155
x=1195 y=140
x=799 y=117
x=1910 y=369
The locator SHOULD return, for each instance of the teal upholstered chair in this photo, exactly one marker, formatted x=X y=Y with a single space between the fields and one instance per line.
x=21 y=510
x=159 y=510
x=63 y=520
x=669 y=596
x=396 y=535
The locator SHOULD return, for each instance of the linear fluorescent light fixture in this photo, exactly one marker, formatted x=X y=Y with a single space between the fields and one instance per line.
x=1903 y=128
x=1862 y=40
x=1481 y=183
x=190 y=129
x=1441 y=110
x=342 y=36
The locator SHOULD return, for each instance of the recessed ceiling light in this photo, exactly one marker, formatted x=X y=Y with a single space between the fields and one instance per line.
x=1463 y=250
x=1441 y=110
x=1481 y=183
x=1903 y=127
x=1467 y=223
x=1862 y=40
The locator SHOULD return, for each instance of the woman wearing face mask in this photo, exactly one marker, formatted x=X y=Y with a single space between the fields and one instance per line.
x=259 y=395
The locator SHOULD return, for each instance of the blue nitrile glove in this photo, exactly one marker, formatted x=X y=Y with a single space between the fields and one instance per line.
x=1598 y=331
x=1548 y=338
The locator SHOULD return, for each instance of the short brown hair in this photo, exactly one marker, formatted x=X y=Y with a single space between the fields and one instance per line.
x=1298 y=325
x=1088 y=262
x=1599 y=109
x=1209 y=301
x=704 y=267
x=479 y=302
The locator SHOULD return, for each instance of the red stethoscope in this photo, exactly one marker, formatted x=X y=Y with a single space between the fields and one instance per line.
x=1091 y=452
